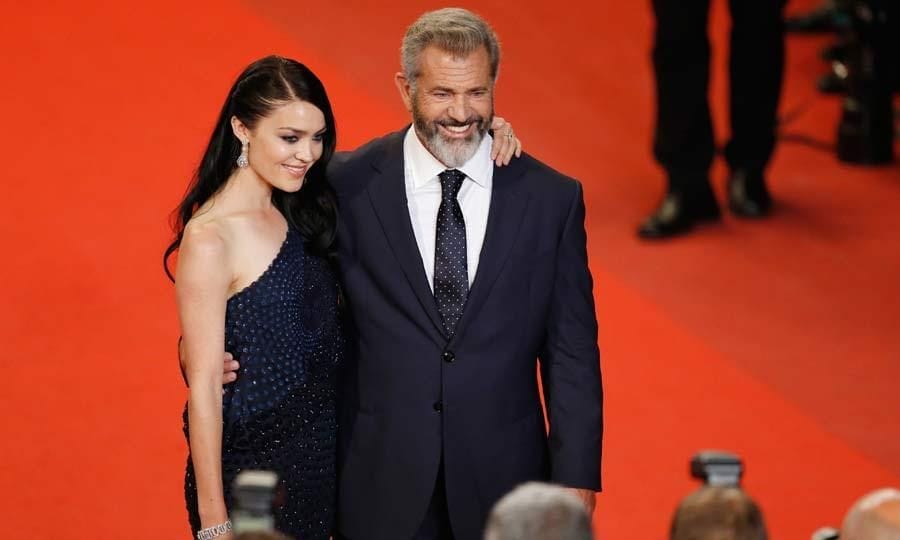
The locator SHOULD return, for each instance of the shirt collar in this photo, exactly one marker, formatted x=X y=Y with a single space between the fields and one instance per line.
x=425 y=167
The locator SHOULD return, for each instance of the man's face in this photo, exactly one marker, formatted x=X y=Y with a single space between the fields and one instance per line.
x=452 y=103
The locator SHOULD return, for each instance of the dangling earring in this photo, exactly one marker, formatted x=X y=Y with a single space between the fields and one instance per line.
x=242 y=161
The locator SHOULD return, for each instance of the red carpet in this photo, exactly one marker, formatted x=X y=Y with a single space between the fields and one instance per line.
x=777 y=340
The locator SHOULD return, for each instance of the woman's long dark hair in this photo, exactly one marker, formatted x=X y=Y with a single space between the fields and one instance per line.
x=265 y=85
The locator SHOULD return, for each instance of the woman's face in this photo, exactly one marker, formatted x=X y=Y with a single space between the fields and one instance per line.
x=285 y=144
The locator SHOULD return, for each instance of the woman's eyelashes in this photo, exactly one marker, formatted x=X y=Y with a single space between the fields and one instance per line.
x=291 y=139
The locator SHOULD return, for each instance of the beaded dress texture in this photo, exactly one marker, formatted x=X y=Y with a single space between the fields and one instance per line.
x=281 y=414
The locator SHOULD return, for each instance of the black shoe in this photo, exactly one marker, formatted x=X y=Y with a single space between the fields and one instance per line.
x=747 y=194
x=677 y=214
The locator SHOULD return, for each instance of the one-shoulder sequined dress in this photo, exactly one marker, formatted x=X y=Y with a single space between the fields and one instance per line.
x=280 y=414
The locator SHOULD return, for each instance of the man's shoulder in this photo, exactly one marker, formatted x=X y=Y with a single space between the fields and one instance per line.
x=544 y=179
x=348 y=162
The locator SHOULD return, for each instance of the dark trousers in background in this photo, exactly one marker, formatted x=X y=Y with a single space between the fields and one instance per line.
x=683 y=142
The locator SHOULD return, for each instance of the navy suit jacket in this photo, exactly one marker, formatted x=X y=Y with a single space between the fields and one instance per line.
x=414 y=397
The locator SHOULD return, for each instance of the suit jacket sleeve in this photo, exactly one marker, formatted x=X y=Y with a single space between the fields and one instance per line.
x=570 y=362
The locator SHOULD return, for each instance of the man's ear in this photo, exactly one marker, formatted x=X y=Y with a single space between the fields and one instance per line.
x=405 y=89
x=239 y=129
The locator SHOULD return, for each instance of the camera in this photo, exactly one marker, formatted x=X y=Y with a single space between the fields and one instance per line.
x=254 y=495
x=717 y=468
x=865 y=134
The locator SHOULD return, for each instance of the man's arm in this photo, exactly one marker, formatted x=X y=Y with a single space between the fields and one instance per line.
x=570 y=364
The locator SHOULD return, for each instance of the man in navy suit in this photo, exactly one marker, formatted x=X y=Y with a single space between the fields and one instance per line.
x=460 y=276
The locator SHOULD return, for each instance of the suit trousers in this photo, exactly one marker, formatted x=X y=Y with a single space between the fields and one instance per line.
x=683 y=141
x=436 y=522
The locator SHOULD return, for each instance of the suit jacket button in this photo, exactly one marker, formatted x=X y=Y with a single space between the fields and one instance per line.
x=438 y=406
x=448 y=356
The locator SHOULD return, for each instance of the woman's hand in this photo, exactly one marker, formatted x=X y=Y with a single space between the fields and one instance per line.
x=506 y=144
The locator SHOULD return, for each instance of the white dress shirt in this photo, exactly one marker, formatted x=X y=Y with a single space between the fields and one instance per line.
x=423 y=196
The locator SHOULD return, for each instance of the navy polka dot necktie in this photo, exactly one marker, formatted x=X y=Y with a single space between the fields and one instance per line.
x=451 y=275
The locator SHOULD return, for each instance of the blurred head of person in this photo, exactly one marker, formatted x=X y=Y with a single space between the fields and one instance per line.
x=537 y=511
x=876 y=516
x=718 y=513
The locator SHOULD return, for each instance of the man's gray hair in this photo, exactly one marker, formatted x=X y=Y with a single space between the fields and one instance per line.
x=876 y=516
x=454 y=30
x=536 y=511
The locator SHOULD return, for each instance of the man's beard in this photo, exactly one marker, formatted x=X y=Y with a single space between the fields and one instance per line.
x=453 y=153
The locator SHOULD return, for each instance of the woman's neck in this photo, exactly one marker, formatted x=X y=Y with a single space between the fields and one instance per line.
x=246 y=191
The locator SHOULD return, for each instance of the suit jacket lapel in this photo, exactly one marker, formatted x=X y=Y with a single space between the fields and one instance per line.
x=388 y=196
x=507 y=209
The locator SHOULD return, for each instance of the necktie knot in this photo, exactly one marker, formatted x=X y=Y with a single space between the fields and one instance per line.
x=451 y=181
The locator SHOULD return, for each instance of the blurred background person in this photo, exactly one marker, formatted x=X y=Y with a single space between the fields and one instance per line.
x=538 y=511
x=718 y=513
x=876 y=516
x=684 y=143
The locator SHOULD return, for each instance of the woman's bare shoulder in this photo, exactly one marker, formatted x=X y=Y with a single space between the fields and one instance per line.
x=203 y=254
x=207 y=237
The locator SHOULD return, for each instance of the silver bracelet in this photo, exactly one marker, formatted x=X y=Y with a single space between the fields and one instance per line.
x=214 y=532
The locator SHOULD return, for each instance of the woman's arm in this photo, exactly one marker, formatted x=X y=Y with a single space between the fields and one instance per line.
x=201 y=287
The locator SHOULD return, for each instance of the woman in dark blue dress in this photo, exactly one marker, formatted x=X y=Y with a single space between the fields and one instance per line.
x=253 y=235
